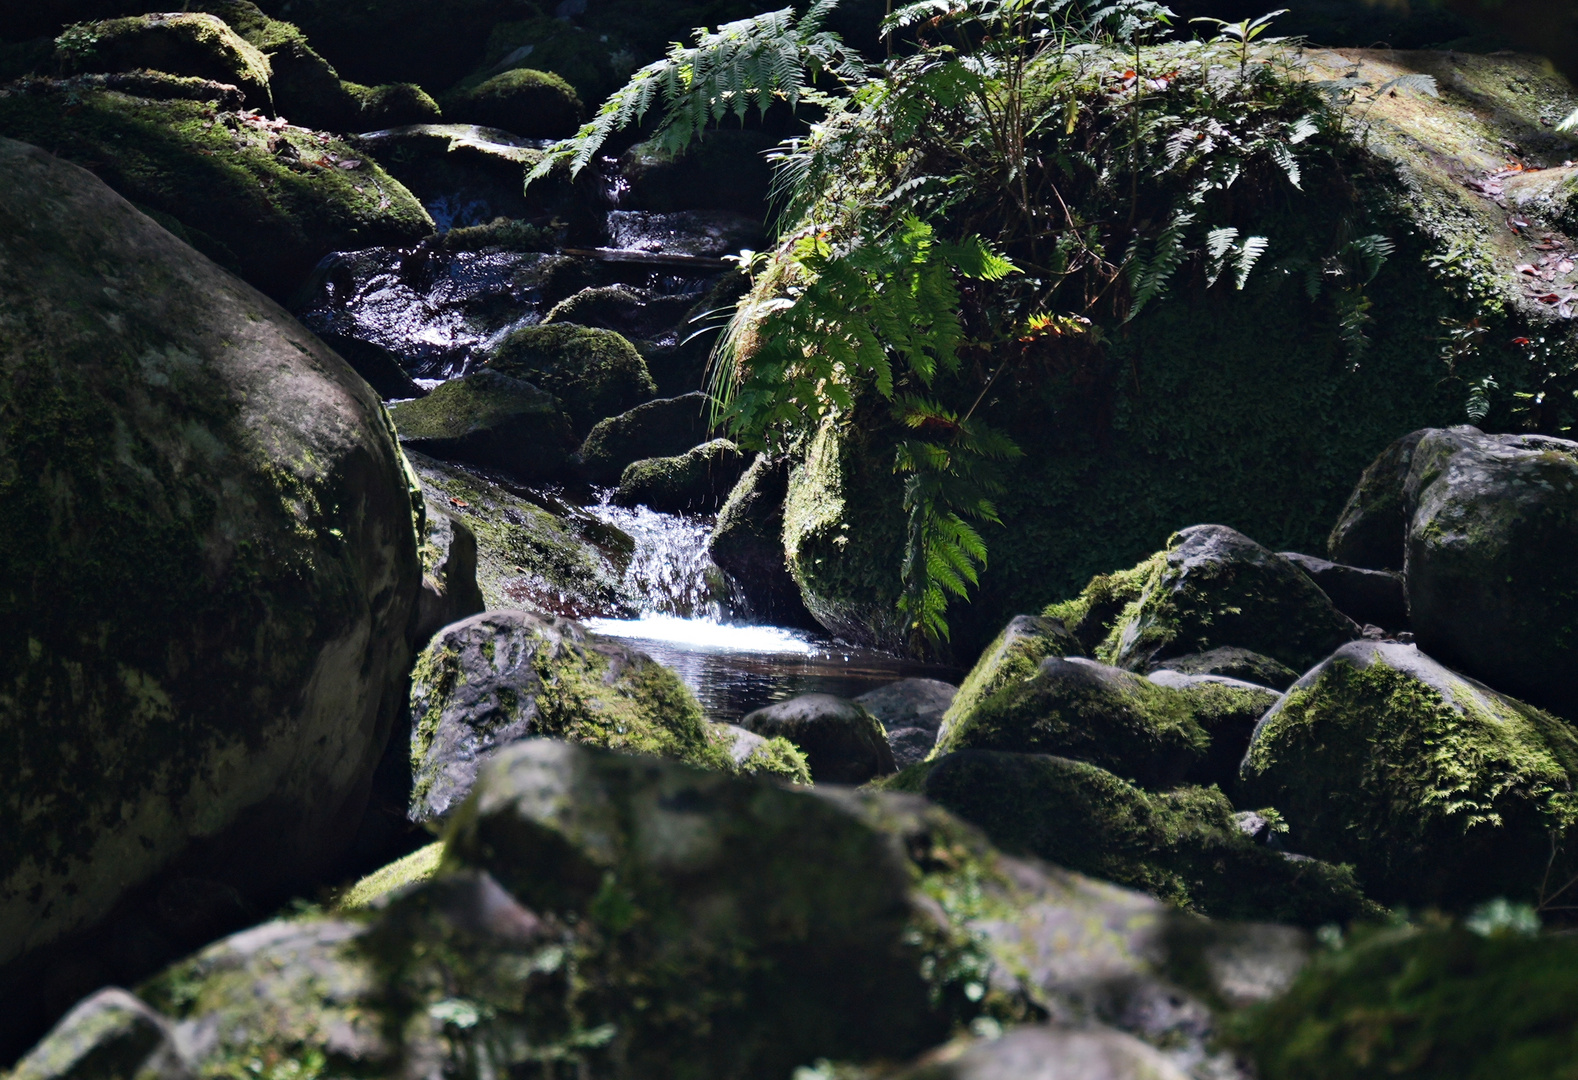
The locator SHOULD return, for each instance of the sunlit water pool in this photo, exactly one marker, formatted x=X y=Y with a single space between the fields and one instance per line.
x=733 y=669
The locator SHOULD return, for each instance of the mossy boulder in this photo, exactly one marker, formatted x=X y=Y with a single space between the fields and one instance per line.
x=1436 y=788
x=843 y=524
x=266 y=199
x=503 y=676
x=1425 y=1002
x=464 y=174
x=1213 y=586
x=747 y=543
x=449 y=573
x=726 y=170
x=1492 y=565
x=594 y=373
x=842 y=742
x=488 y=418
x=755 y=755
x=532 y=104
x=654 y=429
x=544 y=556
x=1182 y=846
x=184 y=43
x=1152 y=734
x=1372 y=530
x=1015 y=656
x=697 y=481
x=210 y=552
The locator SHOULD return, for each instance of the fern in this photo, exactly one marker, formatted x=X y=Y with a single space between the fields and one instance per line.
x=1149 y=277
x=746 y=64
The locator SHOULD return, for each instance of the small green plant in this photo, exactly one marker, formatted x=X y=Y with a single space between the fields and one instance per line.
x=77 y=42
x=1243 y=34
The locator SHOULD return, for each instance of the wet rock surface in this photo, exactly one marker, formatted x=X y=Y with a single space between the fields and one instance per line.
x=842 y=742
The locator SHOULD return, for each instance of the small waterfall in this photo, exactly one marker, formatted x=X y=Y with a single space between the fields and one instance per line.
x=670 y=572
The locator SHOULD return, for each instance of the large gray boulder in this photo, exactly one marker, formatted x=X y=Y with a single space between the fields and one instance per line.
x=209 y=552
x=1435 y=788
x=1492 y=565
x=1370 y=531
x=911 y=710
x=776 y=926
x=503 y=676
x=1368 y=597
x=842 y=742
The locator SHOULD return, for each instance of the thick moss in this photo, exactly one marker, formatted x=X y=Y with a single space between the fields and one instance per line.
x=594 y=373
x=532 y=104
x=1014 y=657
x=661 y=428
x=1437 y=789
x=1091 y=615
x=418 y=866
x=488 y=418
x=1212 y=587
x=843 y=524
x=697 y=481
x=752 y=755
x=1081 y=709
x=1182 y=846
x=1424 y=1003
x=192 y=43
x=277 y=198
x=559 y=561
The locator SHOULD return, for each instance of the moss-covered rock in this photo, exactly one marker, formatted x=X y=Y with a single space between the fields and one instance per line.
x=210 y=561
x=503 y=676
x=697 y=481
x=464 y=174
x=1436 y=788
x=663 y=428
x=532 y=104
x=1182 y=846
x=594 y=373
x=1213 y=586
x=549 y=557
x=842 y=742
x=110 y=1034
x=449 y=573
x=1492 y=564
x=488 y=418
x=1123 y=722
x=1430 y=1002
x=747 y=543
x=843 y=522
x=755 y=755
x=1372 y=530
x=639 y=314
x=272 y=200
x=184 y=43
x=1014 y=657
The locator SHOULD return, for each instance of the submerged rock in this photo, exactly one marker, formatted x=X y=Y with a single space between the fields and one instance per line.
x=503 y=676
x=211 y=561
x=656 y=429
x=696 y=482
x=1213 y=586
x=488 y=418
x=1182 y=846
x=1493 y=560
x=264 y=199
x=1437 y=789
x=842 y=742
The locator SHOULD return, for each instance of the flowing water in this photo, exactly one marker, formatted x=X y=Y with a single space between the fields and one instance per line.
x=694 y=621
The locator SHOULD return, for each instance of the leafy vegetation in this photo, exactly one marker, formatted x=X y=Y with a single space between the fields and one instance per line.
x=1018 y=181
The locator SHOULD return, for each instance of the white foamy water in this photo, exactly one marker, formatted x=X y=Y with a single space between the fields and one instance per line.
x=705 y=634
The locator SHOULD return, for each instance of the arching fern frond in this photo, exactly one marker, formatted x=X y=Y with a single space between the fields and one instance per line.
x=743 y=65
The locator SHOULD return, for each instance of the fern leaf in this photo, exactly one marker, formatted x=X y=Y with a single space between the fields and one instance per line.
x=1248 y=254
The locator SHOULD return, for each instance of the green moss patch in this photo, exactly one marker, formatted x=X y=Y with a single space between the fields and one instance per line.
x=418 y=866
x=525 y=102
x=594 y=373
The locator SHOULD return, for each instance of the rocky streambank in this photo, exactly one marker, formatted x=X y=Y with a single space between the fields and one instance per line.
x=323 y=435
